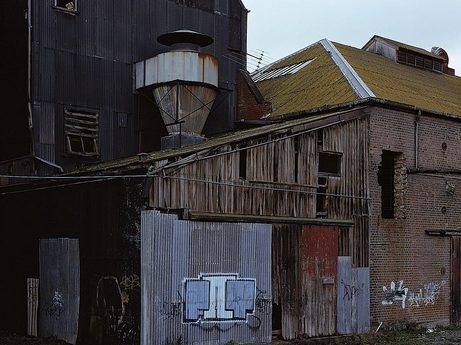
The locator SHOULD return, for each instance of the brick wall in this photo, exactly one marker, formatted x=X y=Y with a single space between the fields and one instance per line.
x=400 y=250
x=251 y=104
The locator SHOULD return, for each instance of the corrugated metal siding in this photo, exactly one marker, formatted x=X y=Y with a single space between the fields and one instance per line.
x=85 y=59
x=59 y=288
x=174 y=252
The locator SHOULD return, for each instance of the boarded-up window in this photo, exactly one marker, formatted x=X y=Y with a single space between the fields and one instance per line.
x=81 y=132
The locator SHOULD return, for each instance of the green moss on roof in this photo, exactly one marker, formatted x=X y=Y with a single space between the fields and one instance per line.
x=318 y=84
x=321 y=83
x=405 y=84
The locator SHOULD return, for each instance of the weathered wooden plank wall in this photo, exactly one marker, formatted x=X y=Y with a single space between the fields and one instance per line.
x=32 y=306
x=319 y=269
x=278 y=176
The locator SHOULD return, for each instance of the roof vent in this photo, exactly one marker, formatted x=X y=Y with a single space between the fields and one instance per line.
x=444 y=55
x=184 y=83
x=440 y=52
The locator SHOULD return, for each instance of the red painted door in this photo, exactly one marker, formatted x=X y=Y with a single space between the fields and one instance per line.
x=319 y=269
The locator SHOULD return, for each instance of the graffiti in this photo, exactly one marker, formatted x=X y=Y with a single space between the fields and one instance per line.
x=351 y=291
x=428 y=297
x=131 y=282
x=169 y=310
x=57 y=307
x=392 y=294
x=218 y=297
x=253 y=322
x=115 y=317
x=263 y=302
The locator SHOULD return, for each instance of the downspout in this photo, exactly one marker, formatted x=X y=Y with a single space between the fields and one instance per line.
x=418 y=117
x=29 y=73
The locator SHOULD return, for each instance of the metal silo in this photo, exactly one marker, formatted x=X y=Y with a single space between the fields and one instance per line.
x=184 y=83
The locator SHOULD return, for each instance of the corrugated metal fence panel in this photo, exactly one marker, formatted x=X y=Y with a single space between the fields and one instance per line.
x=186 y=265
x=344 y=300
x=362 y=279
x=59 y=288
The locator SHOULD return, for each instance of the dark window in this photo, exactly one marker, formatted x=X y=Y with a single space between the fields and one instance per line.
x=67 y=4
x=243 y=164
x=329 y=163
x=81 y=132
x=386 y=175
x=296 y=157
x=320 y=137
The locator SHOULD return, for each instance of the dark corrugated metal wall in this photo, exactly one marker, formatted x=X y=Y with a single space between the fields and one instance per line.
x=85 y=59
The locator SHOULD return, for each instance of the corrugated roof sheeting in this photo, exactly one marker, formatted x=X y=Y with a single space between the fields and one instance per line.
x=176 y=252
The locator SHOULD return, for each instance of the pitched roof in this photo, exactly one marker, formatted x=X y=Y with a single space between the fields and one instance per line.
x=337 y=72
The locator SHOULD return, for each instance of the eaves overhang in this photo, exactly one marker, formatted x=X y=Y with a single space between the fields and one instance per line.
x=366 y=102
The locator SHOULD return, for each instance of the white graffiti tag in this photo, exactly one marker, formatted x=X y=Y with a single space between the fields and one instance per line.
x=392 y=294
x=428 y=297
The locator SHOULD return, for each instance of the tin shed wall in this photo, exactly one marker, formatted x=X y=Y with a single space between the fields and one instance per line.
x=205 y=283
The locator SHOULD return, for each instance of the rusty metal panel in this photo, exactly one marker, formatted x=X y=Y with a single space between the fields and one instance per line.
x=205 y=282
x=319 y=273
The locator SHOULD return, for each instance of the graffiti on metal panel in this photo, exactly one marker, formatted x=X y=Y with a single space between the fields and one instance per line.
x=263 y=302
x=115 y=318
x=427 y=297
x=351 y=291
x=218 y=297
x=169 y=310
x=56 y=307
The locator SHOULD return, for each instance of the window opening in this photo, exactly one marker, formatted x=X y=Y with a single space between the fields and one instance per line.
x=243 y=164
x=386 y=181
x=82 y=132
x=329 y=163
x=66 y=4
x=320 y=137
x=296 y=149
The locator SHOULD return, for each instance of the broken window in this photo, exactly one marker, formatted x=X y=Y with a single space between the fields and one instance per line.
x=82 y=132
x=66 y=4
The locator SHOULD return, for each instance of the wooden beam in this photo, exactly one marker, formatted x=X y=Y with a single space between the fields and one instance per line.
x=247 y=218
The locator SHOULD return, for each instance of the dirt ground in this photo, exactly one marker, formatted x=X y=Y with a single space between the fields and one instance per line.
x=441 y=336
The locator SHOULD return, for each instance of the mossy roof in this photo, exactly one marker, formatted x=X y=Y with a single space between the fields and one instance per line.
x=322 y=83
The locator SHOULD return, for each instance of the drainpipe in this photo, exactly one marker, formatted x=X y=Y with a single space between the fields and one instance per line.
x=29 y=73
x=418 y=117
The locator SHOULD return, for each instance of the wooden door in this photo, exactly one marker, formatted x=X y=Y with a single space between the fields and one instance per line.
x=319 y=271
